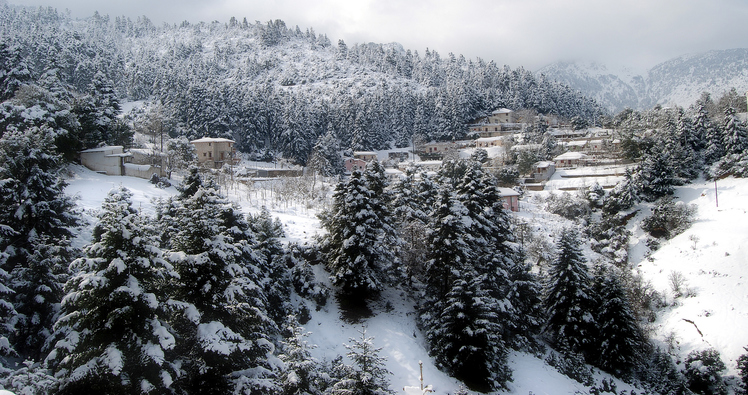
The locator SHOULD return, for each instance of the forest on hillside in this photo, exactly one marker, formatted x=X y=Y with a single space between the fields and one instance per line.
x=267 y=86
x=201 y=298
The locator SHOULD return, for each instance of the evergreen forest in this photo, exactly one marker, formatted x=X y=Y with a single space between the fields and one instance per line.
x=201 y=297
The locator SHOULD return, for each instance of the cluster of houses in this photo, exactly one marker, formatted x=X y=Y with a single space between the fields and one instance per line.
x=493 y=131
x=114 y=161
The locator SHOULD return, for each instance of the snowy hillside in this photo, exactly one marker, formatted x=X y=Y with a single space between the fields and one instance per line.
x=712 y=257
x=679 y=81
x=712 y=264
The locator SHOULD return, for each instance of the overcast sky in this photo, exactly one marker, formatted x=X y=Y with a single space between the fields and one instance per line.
x=528 y=33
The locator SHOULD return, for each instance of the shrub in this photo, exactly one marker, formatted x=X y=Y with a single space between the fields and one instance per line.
x=571 y=365
x=703 y=372
x=567 y=205
x=669 y=218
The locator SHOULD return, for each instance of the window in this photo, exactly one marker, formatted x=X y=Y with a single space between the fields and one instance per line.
x=204 y=154
x=210 y=154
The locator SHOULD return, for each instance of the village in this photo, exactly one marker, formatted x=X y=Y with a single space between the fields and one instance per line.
x=586 y=156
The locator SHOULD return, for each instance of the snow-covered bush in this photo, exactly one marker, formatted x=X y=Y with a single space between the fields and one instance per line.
x=567 y=205
x=507 y=176
x=659 y=374
x=595 y=195
x=703 y=372
x=571 y=365
x=669 y=218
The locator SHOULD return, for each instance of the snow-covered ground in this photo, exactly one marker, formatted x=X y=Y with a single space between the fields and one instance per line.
x=585 y=177
x=714 y=265
x=712 y=256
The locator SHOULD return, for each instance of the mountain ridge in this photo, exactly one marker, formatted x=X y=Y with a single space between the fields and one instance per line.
x=678 y=81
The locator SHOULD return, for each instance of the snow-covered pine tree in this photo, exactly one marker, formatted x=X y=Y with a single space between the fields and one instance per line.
x=110 y=335
x=40 y=218
x=734 y=132
x=217 y=306
x=448 y=249
x=367 y=374
x=14 y=71
x=702 y=123
x=678 y=143
x=267 y=232
x=524 y=297
x=459 y=315
x=410 y=212
x=325 y=159
x=714 y=137
x=8 y=316
x=619 y=340
x=655 y=176
x=303 y=373
x=623 y=196
x=39 y=287
x=465 y=336
x=357 y=244
x=570 y=301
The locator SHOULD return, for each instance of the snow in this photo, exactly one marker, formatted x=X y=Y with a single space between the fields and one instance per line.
x=112 y=358
x=712 y=256
x=214 y=336
x=713 y=264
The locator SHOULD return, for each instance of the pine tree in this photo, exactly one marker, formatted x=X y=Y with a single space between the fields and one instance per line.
x=734 y=132
x=655 y=176
x=569 y=298
x=465 y=335
x=367 y=374
x=410 y=208
x=8 y=317
x=40 y=218
x=14 y=71
x=619 y=339
x=267 y=232
x=218 y=307
x=302 y=374
x=357 y=245
x=111 y=338
x=714 y=135
x=623 y=196
x=461 y=316
x=448 y=249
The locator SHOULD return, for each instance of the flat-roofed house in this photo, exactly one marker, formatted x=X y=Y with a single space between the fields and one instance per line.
x=108 y=159
x=214 y=152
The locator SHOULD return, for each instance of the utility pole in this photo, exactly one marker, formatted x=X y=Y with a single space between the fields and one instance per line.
x=716 y=198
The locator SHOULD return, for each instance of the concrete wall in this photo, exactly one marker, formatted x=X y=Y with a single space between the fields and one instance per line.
x=142 y=171
x=106 y=160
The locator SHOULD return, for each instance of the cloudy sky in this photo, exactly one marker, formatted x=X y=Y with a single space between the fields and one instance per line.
x=528 y=33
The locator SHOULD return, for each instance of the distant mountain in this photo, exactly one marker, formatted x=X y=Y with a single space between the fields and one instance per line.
x=679 y=81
